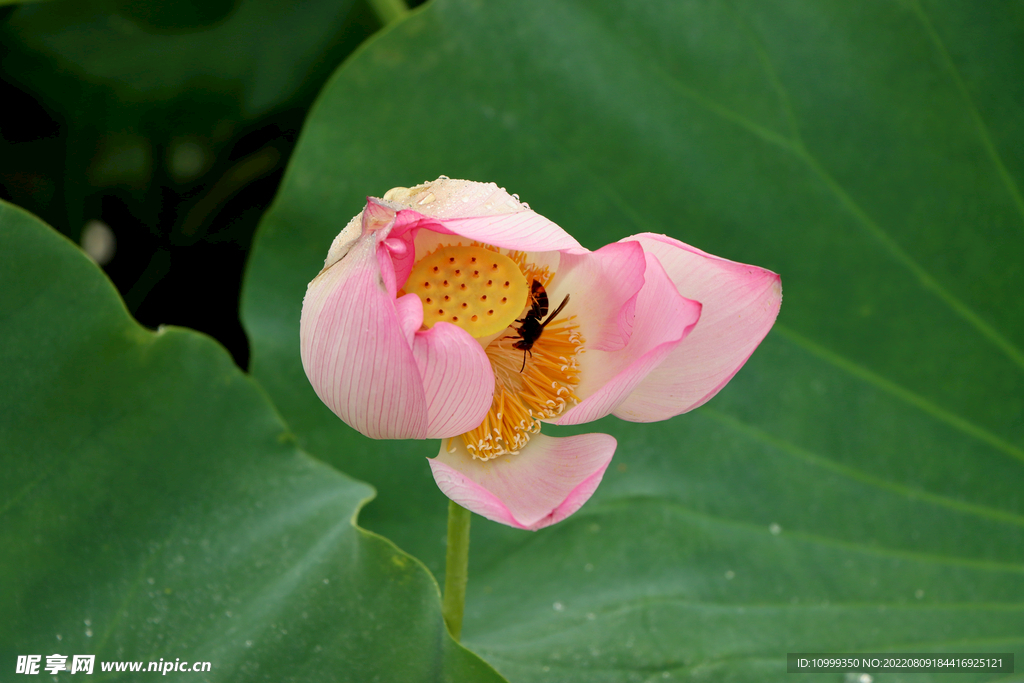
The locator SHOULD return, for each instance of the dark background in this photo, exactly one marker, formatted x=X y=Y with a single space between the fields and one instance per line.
x=169 y=122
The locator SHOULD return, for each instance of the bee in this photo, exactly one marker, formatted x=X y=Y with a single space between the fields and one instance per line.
x=530 y=328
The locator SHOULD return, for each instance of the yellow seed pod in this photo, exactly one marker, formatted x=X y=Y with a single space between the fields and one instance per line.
x=480 y=290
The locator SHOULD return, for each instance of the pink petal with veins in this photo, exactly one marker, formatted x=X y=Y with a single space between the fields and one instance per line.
x=457 y=379
x=663 y=319
x=355 y=352
x=480 y=212
x=544 y=483
x=369 y=362
x=740 y=304
x=603 y=286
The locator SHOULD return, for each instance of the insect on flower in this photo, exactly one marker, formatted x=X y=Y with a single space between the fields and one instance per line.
x=405 y=334
x=531 y=327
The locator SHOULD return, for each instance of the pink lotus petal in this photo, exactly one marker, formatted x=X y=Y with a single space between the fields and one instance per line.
x=663 y=319
x=603 y=286
x=740 y=304
x=525 y=231
x=457 y=378
x=409 y=312
x=355 y=351
x=376 y=216
x=403 y=256
x=545 y=483
x=476 y=211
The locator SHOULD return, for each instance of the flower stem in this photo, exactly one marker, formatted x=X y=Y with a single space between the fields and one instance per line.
x=388 y=11
x=456 y=571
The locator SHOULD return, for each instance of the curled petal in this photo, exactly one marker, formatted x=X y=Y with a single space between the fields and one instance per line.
x=604 y=286
x=355 y=352
x=740 y=304
x=409 y=312
x=476 y=211
x=663 y=319
x=525 y=231
x=545 y=483
x=457 y=378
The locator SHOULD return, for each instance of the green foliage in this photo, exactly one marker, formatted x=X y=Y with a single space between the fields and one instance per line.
x=152 y=93
x=253 y=54
x=857 y=486
x=154 y=505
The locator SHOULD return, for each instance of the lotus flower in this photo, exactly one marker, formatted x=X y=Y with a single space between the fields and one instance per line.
x=439 y=315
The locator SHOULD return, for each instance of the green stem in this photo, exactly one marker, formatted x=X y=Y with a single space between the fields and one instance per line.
x=456 y=570
x=388 y=10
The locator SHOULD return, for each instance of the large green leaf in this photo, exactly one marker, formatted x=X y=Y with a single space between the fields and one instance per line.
x=858 y=485
x=154 y=506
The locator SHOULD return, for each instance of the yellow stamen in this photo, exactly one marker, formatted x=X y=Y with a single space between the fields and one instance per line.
x=523 y=395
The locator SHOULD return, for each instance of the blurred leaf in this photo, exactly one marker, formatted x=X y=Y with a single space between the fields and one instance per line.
x=257 y=53
x=151 y=98
x=858 y=485
x=154 y=506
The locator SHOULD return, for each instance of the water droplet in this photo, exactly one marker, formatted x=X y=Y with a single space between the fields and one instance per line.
x=88 y=622
x=857 y=678
x=59 y=637
x=248 y=643
x=151 y=581
x=88 y=633
x=730 y=575
x=775 y=529
x=327 y=580
x=591 y=616
x=558 y=607
x=919 y=593
x=588 y=567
